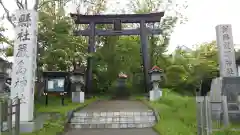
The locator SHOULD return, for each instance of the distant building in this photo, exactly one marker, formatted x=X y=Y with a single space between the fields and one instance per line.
x=185 y=48
x=5 y=73
x=6 y=67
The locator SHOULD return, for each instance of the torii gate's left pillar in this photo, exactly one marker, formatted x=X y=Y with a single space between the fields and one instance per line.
x=91 y=49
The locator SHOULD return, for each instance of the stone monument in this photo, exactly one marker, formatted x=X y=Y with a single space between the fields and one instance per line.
x=226 y=60
x=24 y=65
x=156 y=75
x=226 y=83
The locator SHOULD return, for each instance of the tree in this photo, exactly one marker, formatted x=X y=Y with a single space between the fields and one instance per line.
x=159 y=44
x=192 y=66
x=58 y=49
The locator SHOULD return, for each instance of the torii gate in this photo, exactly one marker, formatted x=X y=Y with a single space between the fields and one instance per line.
x=116 y=20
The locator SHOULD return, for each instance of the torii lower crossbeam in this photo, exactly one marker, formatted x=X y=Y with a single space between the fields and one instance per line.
x=116 y=33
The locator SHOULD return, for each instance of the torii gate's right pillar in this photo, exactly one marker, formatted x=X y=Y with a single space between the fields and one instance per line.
x=145 y=56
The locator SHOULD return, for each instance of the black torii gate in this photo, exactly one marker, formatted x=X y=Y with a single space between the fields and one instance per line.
x=116 y=20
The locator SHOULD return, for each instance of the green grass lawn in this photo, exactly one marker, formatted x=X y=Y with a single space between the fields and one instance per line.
x=178 y=115
x=54 y=126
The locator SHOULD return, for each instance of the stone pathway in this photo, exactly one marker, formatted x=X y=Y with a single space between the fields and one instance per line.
x=117 y=117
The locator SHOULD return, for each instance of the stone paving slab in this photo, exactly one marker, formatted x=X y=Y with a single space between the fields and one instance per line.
x=143 y=131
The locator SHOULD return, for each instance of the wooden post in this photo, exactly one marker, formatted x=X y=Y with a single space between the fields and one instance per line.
x=200 y=121
x=209 y=115
x=62 y=98
x=225 y=111
x=46 y=98
x=17 y=117
x=9 y=116
x=1 y=117
x=206 y=113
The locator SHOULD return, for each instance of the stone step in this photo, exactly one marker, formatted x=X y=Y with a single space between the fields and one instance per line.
x=112 y=114
x=114 y=125
x=113 y=119
x=101 y=120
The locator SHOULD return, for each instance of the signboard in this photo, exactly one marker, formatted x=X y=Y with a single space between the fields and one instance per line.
x=24 y=65
x=55 y=85
x=226 y=51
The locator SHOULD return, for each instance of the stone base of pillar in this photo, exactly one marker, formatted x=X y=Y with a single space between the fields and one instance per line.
x=155 y=94
x=78 y=97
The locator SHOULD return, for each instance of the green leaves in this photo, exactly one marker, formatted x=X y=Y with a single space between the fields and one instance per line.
x=58 y=48
x=189 y=67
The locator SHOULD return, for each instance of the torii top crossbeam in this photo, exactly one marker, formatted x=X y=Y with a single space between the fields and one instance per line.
x=116 y=20
x=124 y=18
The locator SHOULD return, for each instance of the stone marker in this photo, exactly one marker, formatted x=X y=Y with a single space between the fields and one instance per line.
x=226 y=55
x=226 y=51
x=24 y=65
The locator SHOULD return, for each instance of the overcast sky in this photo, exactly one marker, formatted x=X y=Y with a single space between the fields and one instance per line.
x=203 y=16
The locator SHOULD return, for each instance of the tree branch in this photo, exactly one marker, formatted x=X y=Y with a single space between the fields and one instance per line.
x=26 y=4
x=19 y=4
x=7 y=13
x=36 y=5
x=5 y=40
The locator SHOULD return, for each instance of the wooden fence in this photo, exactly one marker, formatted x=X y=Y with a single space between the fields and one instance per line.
x=8 y=109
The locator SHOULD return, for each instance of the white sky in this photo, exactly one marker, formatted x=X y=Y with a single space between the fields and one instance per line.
x=203 y=16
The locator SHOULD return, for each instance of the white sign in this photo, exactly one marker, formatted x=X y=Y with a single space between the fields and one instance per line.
x=60 y=83
x=50 y=84
x=24 y=66
x=226 y=51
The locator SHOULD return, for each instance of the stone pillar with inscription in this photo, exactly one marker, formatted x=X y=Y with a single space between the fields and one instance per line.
x=226 y=50
x=227 y=65
x=24 y=65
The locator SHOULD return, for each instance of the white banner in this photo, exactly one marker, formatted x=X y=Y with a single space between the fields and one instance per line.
x=227 y=59
x=23 y=70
